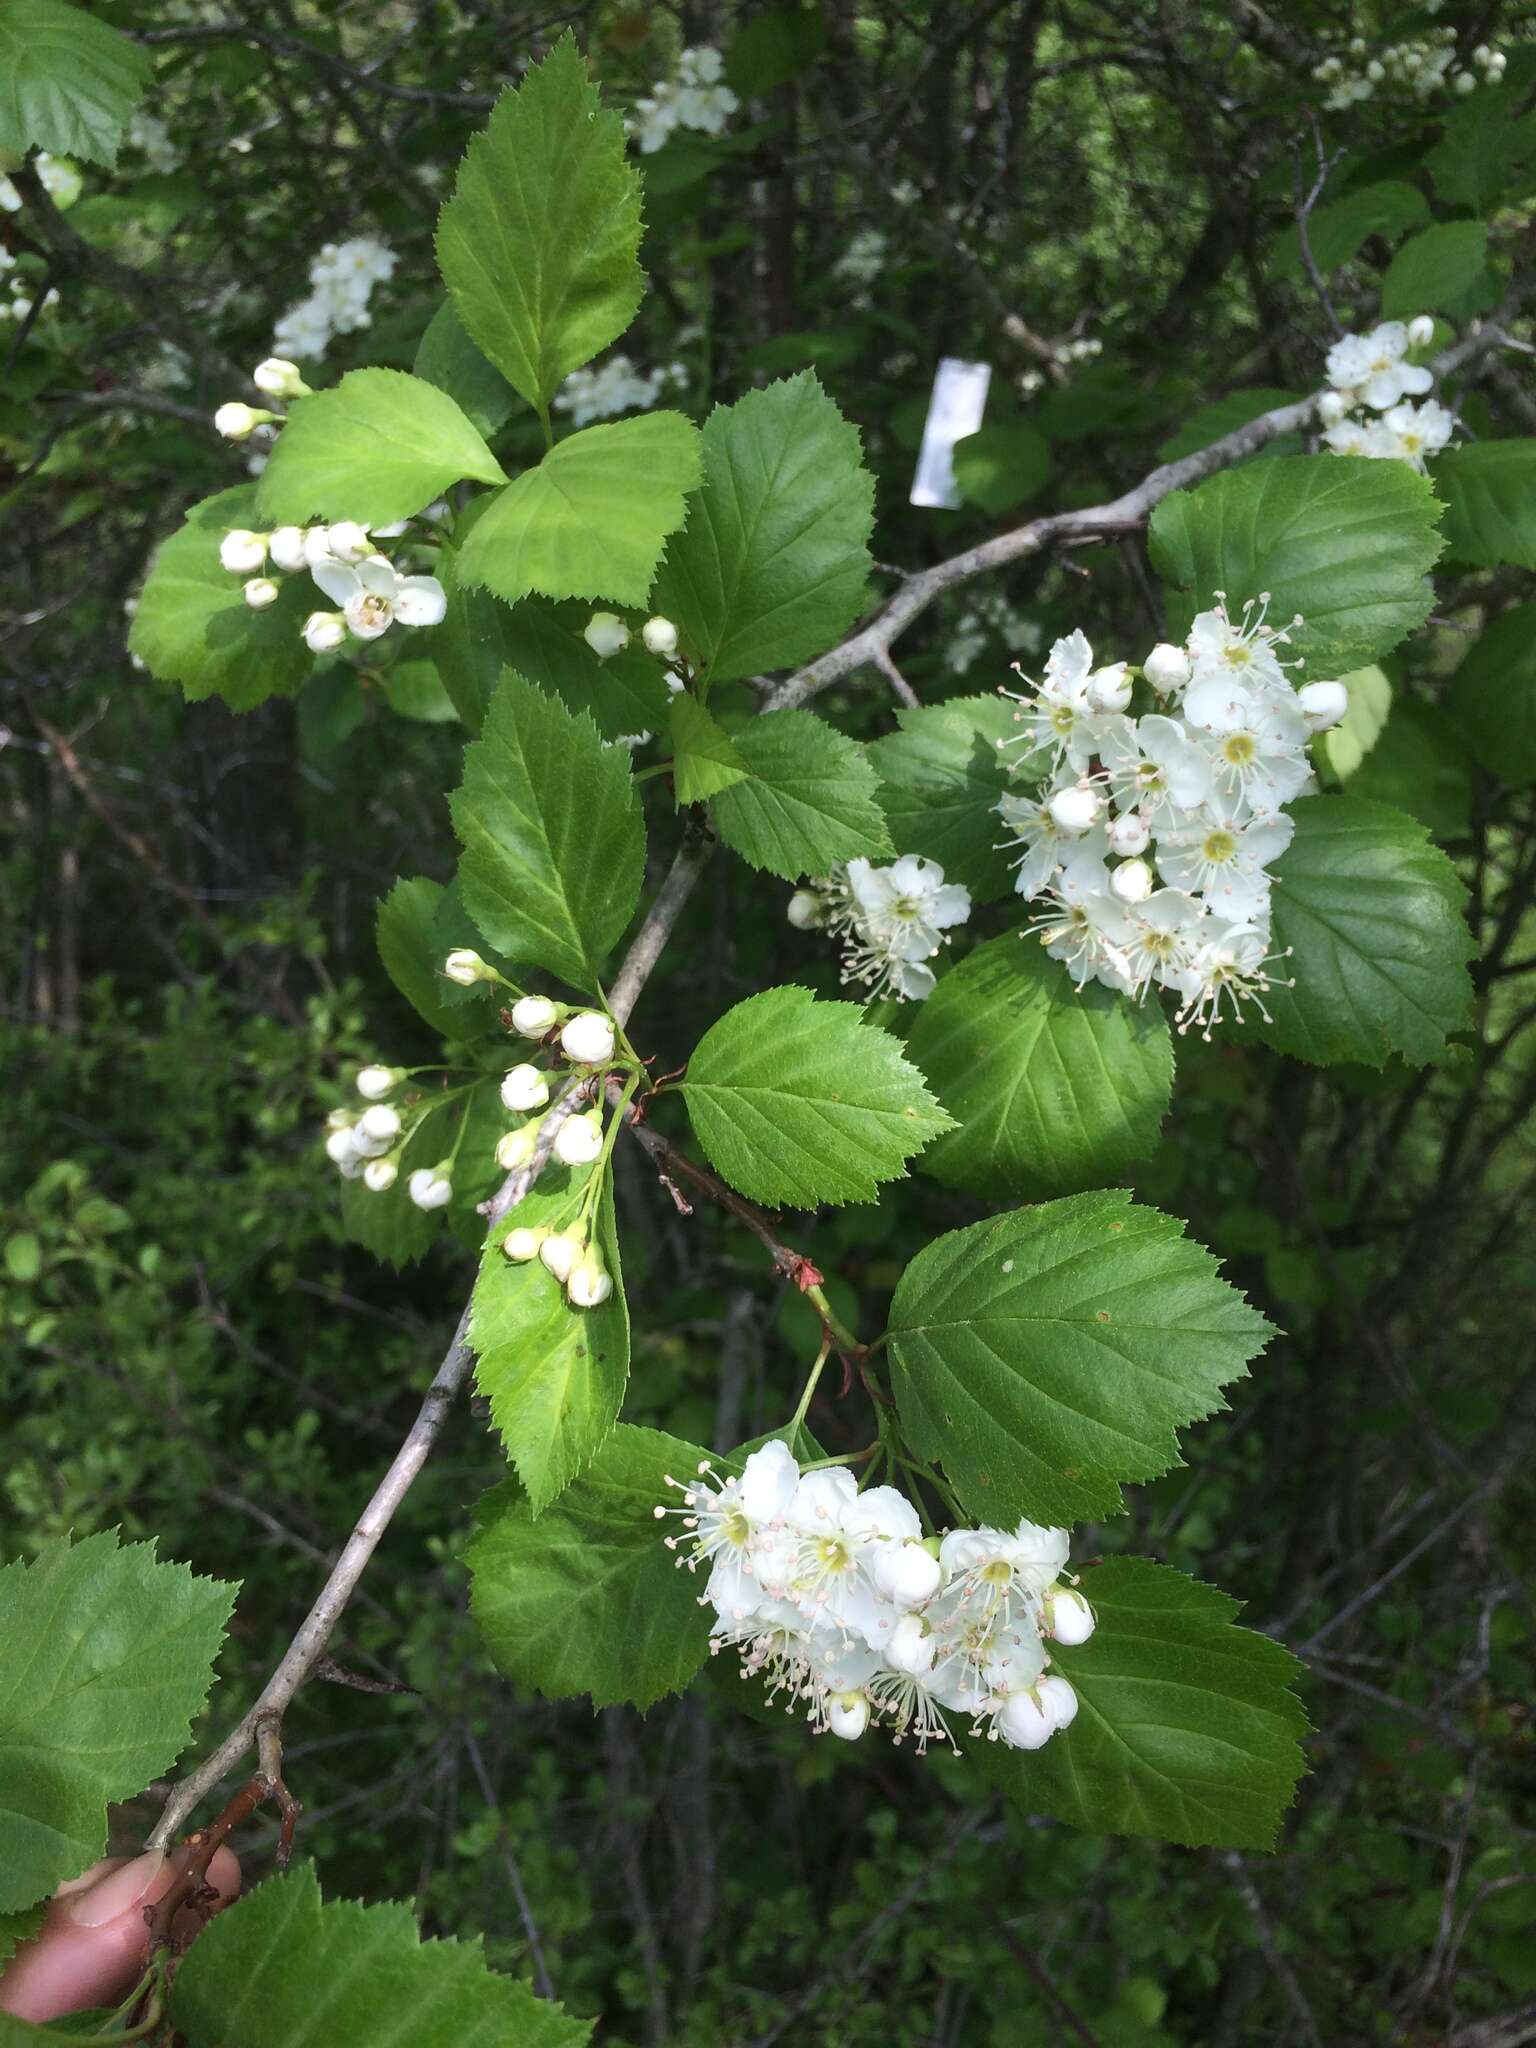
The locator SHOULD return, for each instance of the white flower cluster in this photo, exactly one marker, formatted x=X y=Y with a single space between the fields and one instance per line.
x=342 y=278
x=1420 y=65
x=344 y=561
x=834 y=1596
x=1151 y=839
x=863 y=259
x=57 y=176
x=17 y=302
x=988 y=617
x=1372 y=373
x=692 y=98
x=615 y=387
x=890 y=920
x=148 y=134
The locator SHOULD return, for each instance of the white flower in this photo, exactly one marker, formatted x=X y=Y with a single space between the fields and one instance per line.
x=430 y=1188
x=1418 y=430
x=1075 y=810
x=1058 y=1698
x=348 y=542
x=588 y=1038
x=579 y=1139
x=1068 y=1617
x=532 y=1016
x=341 y=1146
x=1373 y=364
x=1166 y=668
x=605 y=633
x=1226 y=862
x=524 y=1087
x=379 y=1125
x=1322 y=704
x=847 y=1715
x=660 y=636
x=379 y=1175
x=285 y=545
x=1127 y=834
x=324 y=632
x=1109 y=688
x=259 y=592
x=465 y=967
x=1133 y=881
x=1333 y=405
x=374 y=1083
x=372 y=596
x=807 y=910
x=242 y=551
x=1154 y=765
x=1229 y=967
x=1243 y=649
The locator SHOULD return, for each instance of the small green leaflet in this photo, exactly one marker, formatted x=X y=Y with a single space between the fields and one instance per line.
x=1049 y=1355
x=193 y=627
x=282 y=1969
x=448 y=358
x=1002 y=466
x=1493 y=696
x=592 y=519
x=811 y=798
x=941 y=777
x=705 y=759
x=1420 y=765
x=108 y=1655
x=1052 y=1089
x=1338 y=232
x=1434 y=269
x=1373 y=917
x=1187 y=1728
x=413 y=959
x=414 y=690
x=772 y=567
x=1489 y=491
x=1344 y=746
x=798 y=1101
x=1480 y=145
x=378 y=447
x=554 y=1375
x=1344 y=541
x=538 y=244
x=588 y=1598
x=554 y=846
x=68 y=82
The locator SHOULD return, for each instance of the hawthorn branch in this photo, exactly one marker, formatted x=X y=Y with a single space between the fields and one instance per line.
x=308 y=1647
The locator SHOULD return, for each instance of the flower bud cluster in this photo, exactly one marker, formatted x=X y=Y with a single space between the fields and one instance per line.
x=575 y=1262
x=342 y=278
x=837 y=1599
x=615 y=387
x=890 y=920
x=1151 y=839
x=365 y=1144
x=1419 y=65
x=343 y=560
x=1372 y=373
x=694 y=97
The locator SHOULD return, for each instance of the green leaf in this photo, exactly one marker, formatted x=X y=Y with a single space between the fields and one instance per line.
x=1002 y=466
x=1372 y=917
x=554 y=846
x=772 y=48
x=1187 y=1729
x=68 y=82
x=705 y=759
x=1345 y=745
x=448 y=358
x=1224 y=416
x=1052 y=1089
x=1490 y=502
x=941 y=776
x=108 y=1655
x=15 y=1928
x=538 y=244
x=800 y=1102
x=1434 y=269
x=1420 y=765
x=1493 y=697
x=1338 y=232
x=1344 y=541
x=772 y=567
x=593 y=518
x=811 y=798
x=193 y=627
x=1048 y=1355
x=413 y=957
x=1481 y=145
x=554 y=1375
x=283 y=1969
x=587 y=1598
x=414 y=690
x=378 y=447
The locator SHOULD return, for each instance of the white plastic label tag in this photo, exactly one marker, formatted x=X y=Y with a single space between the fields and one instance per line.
x=958 y=400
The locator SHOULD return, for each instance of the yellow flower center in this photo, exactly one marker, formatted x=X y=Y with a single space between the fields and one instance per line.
x=1219 y=846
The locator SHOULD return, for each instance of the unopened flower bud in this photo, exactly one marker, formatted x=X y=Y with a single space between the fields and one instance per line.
x=1465 y=82
x=1167 y=667
x=242 y=551
x=348 y=541
x=374 y=1083
x=1129 y=834
x=1059 y=1699
x=1071 y=1618
x=517 y=1147
x=1421 y=331
x=430 y=1188
x=279 y=378
x=589 y=1283
x=1322 y=704
x=524 y=1088
x=259 y=592
x=907 y=1574
x=1133 y=881
x=285 y=546
x=560 y=1251
x=532 y=1016
x=660 y=636
x=380 y=1124
x=579 y=1139
x=379 y=1175
x=237 y=422
x=912 y=1646
x=1109 y=688
x=522 y=1246
x=806 y=911
x=588 y=1038
x=1074 y=810
x=1024 y=1724
x=1332 y=406
x=341 y=1146
x=465 y=967
x=847 y=1715
x=324 y=632
x=605 y=633
x=317 y=546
